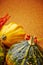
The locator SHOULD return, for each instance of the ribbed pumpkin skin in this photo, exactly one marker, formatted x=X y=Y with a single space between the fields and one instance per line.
x=1 y=54
x=24 y=54
x=12 y=33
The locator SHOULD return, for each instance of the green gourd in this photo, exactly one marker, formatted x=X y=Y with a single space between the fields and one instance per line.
x=24 y=53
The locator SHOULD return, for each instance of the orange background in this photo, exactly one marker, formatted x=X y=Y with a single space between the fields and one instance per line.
x=28 y=13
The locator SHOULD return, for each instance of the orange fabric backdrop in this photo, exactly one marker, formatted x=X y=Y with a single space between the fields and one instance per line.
x=28 y=13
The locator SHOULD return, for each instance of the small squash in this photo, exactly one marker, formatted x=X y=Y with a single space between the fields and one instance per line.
x=24 y=53
x=12 y=33
x=2 y=54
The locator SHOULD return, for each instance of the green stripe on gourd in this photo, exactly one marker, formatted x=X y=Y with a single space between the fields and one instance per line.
x=1 y=54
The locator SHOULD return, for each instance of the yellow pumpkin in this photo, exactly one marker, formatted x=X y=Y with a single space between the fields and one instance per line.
x=11 y=33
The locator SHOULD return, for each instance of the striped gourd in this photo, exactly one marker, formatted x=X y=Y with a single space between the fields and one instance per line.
x=24 y=53
x=11 y=33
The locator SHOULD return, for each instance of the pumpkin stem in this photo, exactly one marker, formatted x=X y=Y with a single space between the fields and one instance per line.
x=3 y=37
x=31 y=41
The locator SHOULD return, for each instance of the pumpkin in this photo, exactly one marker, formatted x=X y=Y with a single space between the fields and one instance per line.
x=1 y=54
x=24 y=53
x=12 y=33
